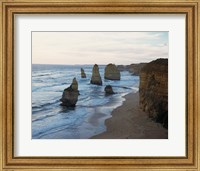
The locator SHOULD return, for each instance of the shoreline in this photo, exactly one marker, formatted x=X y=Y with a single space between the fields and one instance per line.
x=128 y=121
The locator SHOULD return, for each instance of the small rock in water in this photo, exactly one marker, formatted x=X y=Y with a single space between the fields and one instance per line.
x=83 y=75
x=70 y=95
x=108 y=90
x=112 y=72
x=96 y=78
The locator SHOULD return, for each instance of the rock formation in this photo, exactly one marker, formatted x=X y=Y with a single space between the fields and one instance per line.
x=74 y=85
x=70 y=95
x=111 y=72
x=153 y=90
x=108 y=90
x=83 y=75
x=134 y=69
x=96 y=78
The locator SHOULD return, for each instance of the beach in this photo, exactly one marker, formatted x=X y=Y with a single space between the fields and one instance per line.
x=128 y=121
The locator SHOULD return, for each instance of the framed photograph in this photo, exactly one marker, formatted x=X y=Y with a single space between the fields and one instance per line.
x=99 y=85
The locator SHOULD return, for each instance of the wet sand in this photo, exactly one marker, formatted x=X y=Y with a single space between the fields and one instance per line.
x=130 y=122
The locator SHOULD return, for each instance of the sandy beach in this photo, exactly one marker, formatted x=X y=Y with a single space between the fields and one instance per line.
x=129 y=122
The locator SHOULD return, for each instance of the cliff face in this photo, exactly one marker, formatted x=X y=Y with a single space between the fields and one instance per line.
x=153 y=90
x=133 y=68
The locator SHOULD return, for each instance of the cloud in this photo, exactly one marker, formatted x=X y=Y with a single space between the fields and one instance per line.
x=102 y=47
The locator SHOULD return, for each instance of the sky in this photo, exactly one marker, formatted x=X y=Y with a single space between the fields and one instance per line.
x=98 y=47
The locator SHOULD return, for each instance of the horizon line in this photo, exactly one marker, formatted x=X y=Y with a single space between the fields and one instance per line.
x=97 y=63
x=88 y=64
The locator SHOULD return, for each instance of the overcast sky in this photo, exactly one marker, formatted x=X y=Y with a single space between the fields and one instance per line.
x=98 y=47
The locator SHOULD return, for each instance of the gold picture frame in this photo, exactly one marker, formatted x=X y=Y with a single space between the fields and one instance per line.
x=9 y=8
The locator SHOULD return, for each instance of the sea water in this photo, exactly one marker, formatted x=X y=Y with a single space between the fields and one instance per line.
x=52 y=121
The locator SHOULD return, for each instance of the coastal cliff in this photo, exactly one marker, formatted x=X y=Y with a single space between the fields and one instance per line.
x=153 y=90
x=134 y=69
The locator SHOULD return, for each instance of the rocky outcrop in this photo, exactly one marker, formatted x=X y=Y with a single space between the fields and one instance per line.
x=153 y=90
x=134 y=69
x=96 y=78
x=70 y=95
x=108 y=90
x=83 y=75
x=122 y=67
x=111 y=72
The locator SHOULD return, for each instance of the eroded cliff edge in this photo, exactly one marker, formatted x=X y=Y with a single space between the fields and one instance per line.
x=134 y=69
x=153 y=90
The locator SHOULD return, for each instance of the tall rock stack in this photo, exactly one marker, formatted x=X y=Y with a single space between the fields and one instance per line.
x=112 y=72
x=83 y=75
x=74 y=85
x=70 y=95
x=96 y=78
x=153 y=90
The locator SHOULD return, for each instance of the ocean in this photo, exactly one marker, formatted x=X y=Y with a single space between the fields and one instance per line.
x=52 y=121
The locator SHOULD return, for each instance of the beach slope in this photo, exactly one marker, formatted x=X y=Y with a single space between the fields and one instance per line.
x=130 y=122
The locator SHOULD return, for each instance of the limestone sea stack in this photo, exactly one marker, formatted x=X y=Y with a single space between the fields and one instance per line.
x=108 y=90
x=153 y=90
x=112 y=72
x=83 y=75
x=70 y=95
x=96 y=78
